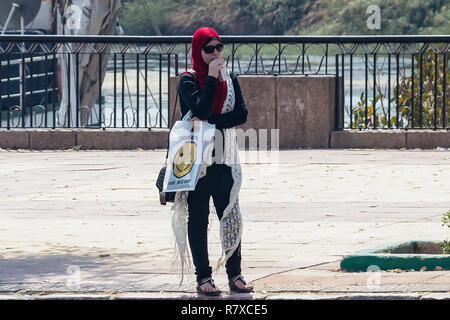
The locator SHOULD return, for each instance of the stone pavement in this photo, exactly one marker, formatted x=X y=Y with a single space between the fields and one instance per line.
x=88 y=224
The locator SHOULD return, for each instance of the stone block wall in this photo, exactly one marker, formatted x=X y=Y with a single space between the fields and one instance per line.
x=301 y=108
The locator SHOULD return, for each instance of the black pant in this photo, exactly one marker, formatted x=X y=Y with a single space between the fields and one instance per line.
x=216 y=183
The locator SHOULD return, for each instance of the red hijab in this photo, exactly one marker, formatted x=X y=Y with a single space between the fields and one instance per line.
x=201 y=36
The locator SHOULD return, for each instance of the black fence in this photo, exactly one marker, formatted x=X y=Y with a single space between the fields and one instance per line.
x=382 y=82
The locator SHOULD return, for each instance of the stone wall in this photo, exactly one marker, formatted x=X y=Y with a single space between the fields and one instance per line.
x=39 y=139
x=300 y=107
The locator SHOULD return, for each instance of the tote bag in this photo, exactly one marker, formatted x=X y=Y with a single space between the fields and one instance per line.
x=187 y=152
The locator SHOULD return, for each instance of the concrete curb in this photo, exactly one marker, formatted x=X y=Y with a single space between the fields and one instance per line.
x=244 y=297
x=390 y=139
x=383 y=260
x=84 y=139
x=126 y=139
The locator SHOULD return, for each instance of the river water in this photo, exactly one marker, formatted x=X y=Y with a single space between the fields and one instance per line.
x=155 y=105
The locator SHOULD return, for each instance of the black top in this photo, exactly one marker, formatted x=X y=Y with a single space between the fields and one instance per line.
x=201 y=103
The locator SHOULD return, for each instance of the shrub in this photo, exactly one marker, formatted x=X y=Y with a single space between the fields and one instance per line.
x=446 y=244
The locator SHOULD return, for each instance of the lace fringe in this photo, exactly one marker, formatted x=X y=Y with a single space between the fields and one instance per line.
x=181 y=262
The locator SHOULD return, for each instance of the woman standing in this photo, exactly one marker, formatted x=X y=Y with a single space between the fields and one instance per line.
x=210 y=98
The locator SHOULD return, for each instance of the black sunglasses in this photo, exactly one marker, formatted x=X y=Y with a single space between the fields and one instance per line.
x=210 y=49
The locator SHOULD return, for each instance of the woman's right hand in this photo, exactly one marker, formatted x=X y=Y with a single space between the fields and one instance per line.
x=215 y=66
x=196 y=123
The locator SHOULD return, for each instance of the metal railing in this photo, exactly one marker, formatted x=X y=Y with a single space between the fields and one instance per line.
x=382 y=82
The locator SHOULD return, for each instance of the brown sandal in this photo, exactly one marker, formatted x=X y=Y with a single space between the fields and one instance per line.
x=207 y=293
x=236 y=289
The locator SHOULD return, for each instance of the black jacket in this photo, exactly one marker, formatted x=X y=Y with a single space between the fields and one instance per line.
x=218 y=176
x=201 y=103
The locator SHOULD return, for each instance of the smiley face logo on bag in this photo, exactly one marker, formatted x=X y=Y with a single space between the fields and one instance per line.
x=184 y=159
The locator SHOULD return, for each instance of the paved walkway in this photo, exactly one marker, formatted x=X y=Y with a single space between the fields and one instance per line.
x=88 y=224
